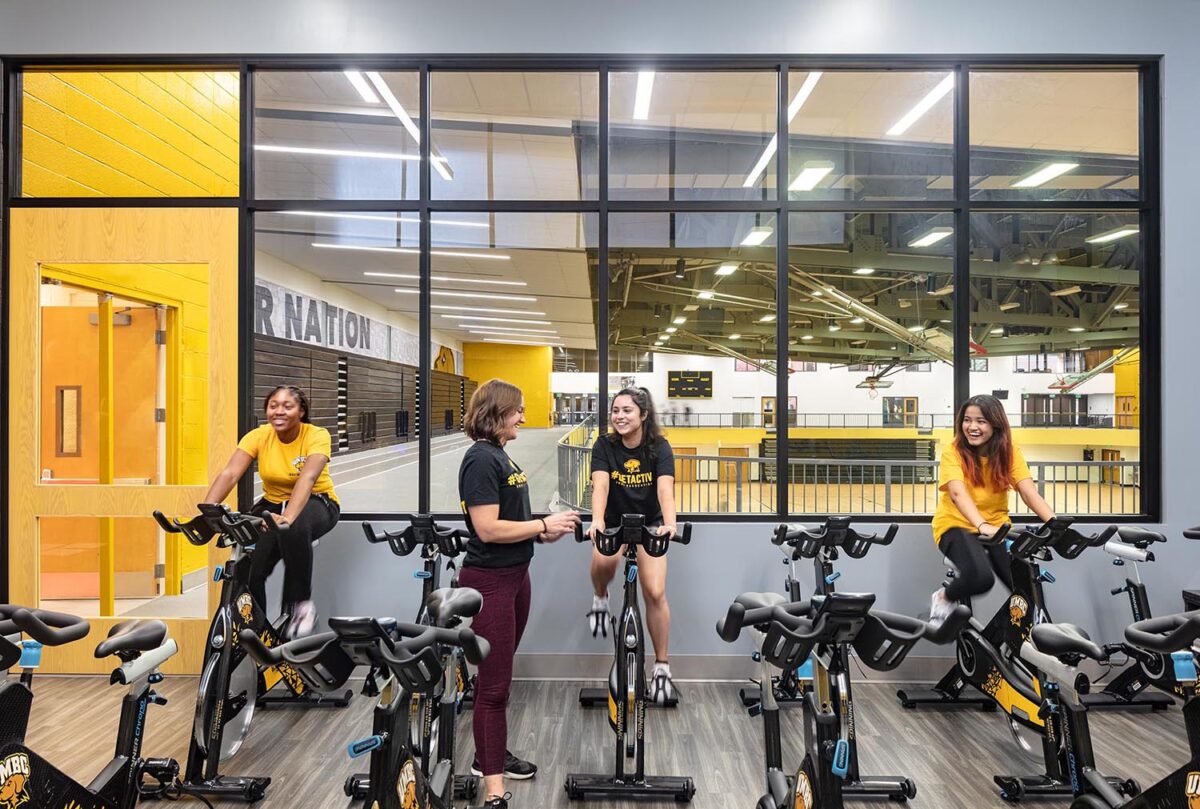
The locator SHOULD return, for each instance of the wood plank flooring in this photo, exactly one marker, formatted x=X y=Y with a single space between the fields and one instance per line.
x=952 y=755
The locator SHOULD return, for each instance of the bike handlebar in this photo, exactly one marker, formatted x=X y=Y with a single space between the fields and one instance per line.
x=217 y=519
x=1170 y=633
x=1059 y=535
x=49 y=628
x=1192 y=533
x=835 y=532
x=633 y=532
x=421 y=531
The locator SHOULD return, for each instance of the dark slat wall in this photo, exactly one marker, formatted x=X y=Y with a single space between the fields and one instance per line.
x=379 y=391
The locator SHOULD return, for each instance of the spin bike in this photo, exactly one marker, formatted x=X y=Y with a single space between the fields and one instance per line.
x=404 y=660
x=820 y=544
x=627 y=693
x=988 y=657
x=823 y=628
x=436 y=543
x=28 y=779
x=232 y=684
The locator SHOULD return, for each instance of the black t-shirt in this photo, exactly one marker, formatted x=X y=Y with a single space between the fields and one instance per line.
x=633 y=477
x=488 y=477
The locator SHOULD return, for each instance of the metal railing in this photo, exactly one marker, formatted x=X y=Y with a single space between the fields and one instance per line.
x=717 y=484
x=919 y=421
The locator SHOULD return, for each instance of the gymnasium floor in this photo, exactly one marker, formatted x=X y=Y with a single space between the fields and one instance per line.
x=951 y=755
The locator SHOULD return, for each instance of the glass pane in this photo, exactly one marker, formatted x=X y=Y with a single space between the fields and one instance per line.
x=697 y=292
x=71 y=368
x=870 y=135
x=515 y=135
x=690 y=136
x=129 y=134
x=70 y=550
x=870 y=295
x=326 y=319
x=336 y=134
x=1056 y=310
x=509 y=299
x=1055 y=135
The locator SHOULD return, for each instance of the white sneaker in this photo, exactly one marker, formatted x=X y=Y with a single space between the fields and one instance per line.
x=940 y=607
x=304 y=620
x=599 y=617
x=662 y=688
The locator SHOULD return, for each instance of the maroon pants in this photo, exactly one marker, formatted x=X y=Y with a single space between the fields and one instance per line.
x=501 y=622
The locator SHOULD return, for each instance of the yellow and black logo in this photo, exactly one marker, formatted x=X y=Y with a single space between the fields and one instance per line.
x=406 y=786
x=245 y=606
x=1191 y=789
x=14 y=781
x=517 y=479
x=633 y=476
x=1018 y=608
x=991 y=683
x=298 y=462
x=633 y=466
x=802 y=796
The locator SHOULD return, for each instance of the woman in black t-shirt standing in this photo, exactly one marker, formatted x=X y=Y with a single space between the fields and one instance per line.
x=633 y=472
x=494 y=494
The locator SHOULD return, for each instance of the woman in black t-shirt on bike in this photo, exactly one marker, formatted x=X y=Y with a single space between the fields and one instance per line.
x=495 y=499
x=633 y=472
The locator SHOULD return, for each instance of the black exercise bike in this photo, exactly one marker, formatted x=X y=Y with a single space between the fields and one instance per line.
x=627 y=693
x=822 y=629
x=27 y=779
x=404 y=660
x=231 y=683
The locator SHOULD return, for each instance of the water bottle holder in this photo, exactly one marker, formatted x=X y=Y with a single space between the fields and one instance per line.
x=878 y=648
x=785 y=649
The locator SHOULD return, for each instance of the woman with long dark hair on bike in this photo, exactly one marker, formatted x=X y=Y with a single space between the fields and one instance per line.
x=494 y=494
x=293 y=458
x=978 y=469
x=633 y=472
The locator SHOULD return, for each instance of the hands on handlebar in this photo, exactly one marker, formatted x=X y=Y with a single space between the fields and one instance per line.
x=633 y=531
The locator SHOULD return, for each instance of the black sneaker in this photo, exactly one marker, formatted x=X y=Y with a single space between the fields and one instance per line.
x=514 y=768
x=494 y=803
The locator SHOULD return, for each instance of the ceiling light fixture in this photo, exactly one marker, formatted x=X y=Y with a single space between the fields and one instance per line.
x=505 y=331
x=670 y=329
x=934 y=236
x=757 y=236
x=544 y=344
x=1076 y=329
x=389 y=98
x=641 y=101
x=865 y=271
x=923 y=106
x=1113 y=235
x=810 y=174
x=448 y=294
x=360 y=84
x=735 y=337
x=411 y=277
x=727 y=269
x=810 y=82
x=1008 y=307
x=998 y=331
x=484 y=309
x=706 y=295
x=313 y=150
x=410 y=251
x=1121 y=307
x=806 y=338
x=857 y=320
x=374 y=217
x=1065 y=291
x=834 y=327
x=916 y=328
x=1044 y=175
x=941 y=291
x=679 y=321
x=767 y=319
x=499 y=320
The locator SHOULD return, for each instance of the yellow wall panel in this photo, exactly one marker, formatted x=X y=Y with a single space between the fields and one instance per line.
x=527 y=367
x=127 y=133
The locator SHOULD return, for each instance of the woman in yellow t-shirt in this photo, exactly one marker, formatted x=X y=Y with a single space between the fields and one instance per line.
x=293 y=456
x=977 y=471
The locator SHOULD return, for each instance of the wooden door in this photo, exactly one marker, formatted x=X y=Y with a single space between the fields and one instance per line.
x=685 y=470
x=768 y=412
x=727 y=471
x=1126 y=413
x=1110 y=474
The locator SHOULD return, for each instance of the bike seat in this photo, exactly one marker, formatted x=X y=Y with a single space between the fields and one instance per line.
x=752 y=601
x=447 y=603
x=133 y=636
x=1139 y=537
x=1059 y=640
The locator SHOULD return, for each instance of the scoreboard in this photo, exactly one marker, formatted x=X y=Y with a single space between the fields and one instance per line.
x=689 y=384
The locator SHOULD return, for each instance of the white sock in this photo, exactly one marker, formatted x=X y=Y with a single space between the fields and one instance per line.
x=599 y=603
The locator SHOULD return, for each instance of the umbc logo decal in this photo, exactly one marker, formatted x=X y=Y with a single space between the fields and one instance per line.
x=406 y=786
x=14 y=781
x=1018 y=608
x=803 y=794
x=633 y=465
x=1191 y=789
x=245 y=606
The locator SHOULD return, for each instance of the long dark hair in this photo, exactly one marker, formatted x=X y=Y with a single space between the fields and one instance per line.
x=651 y=432
x=296 y=392
x=999 y=448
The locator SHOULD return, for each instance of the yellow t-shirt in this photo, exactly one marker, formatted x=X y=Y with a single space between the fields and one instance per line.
x=992 y=504
x=279 y=464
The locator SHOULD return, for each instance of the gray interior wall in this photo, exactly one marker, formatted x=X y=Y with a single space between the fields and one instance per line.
x=725 y=559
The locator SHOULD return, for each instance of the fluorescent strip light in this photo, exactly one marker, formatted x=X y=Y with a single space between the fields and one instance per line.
x=398 y=110
x=544 y=344
x=998 y=331
x=671 y=329
x=932 y=237
x=817 y=294
x=374 y=217
x=1076 y=329
x=484 y=309
x=940 y=291
x=447 y=294
x=1044 y=175
x=807 y=337
x=679 y=321
x=767 y=319
x=923 y=106
x=498 y=320
x=834 y=327
x=411 y=277
x=865 y=271
x=1008 y=307
x=1120 y=306
x=757 y=236
x=410 y=251
x=641 y=101
x=735 y=337
x=360 y=84
x=312 y=150
x=857 y=320
x=801 y=96
x=496 y=330
x=706 y=295
x=727 y=269
x=1113 y=235
x=810 y=174
x=1065 y=291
